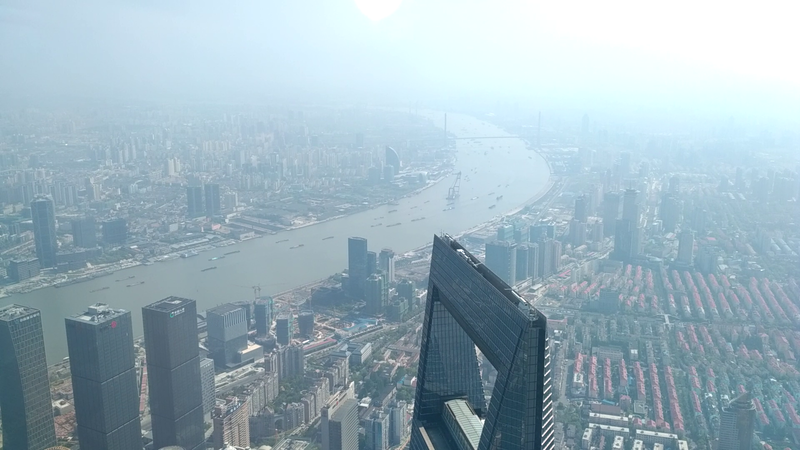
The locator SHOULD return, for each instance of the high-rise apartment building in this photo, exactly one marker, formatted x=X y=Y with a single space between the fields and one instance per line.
x=372 y=263
x=213 y=199
x=686 y=247
x=263 y=312
x=501 y=258
x=357 y=266
x=376 y=294
x=509 y=332
x=84 y=232
x=173 y=371
x=736 y=424
x=227 y=333
x=521 y=265
x=377 y=431
x=44 y=231
x=340 y=425
x=103 y=366
x=630 y=206
x=194 y=201
x=232 y=424
x=533 y=260
x=25 y=402
x=208 y=384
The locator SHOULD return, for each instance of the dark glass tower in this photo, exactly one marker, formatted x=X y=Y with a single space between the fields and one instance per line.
x=263 y=315
x=103 y=366
x=84 y=232
x=194 y=201
x=470 y=306
x=44 y=231
x=213 y=203
x=173 y=370
x=357 y=265
x=27 y=411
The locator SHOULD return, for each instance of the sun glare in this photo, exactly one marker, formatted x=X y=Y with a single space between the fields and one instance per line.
x=377 y=10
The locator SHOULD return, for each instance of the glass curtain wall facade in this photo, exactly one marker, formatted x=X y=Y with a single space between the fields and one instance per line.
x=469 y=306
x=173 y=371
x=103 y=366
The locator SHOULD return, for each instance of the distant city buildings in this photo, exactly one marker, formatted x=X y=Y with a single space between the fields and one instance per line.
x=213 y=199
x=263 y=315
x=231 y=423
x=84 y=232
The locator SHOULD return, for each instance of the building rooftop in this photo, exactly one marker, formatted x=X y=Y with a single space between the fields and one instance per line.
x=12 y=312
x=467 y=420
x=98 y=313
x=223 y=309
x=169 y=304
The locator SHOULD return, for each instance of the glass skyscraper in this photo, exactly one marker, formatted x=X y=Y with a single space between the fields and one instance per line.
x=173 y=371
x=470 y=306
x=44 y=231
x=357 y=269
x=103 y=366
x=27 y=411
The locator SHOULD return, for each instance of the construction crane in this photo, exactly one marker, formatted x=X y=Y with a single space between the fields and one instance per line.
x=454 y=192
x=257 y=289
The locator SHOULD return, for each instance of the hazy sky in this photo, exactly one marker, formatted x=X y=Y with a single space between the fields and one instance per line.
x=720 y=56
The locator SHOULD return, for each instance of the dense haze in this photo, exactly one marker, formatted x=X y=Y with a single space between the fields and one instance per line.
x=682 y=56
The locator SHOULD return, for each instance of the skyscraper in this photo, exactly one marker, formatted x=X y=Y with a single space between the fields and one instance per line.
x=736 y=424
x=377 y=294
x=470 y=306
x=231 y=424
x=227 y=333
x=340 y=426
x=305 y=323
x=208 y=383
x=521 y=266
x=84 y=232
x=501 y=258
x=372 y=263
x=386 y=264
x=173 y=370
x=581 y=208
x=213 y=199
x=533 y=260
x=357 y=265
x=263 y=315
x=194 y=201
x=284 y=328
x=610 y=212
x=630 y=206
x=377 y=431
x=115 y=231
x=25 y=403
x=103 y=366
x=392 y=159
x=686 y=247
x=44 y=231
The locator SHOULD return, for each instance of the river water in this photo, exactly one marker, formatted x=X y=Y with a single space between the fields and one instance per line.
x=277 y=267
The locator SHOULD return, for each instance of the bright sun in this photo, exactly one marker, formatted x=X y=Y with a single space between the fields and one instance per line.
x=377 y=10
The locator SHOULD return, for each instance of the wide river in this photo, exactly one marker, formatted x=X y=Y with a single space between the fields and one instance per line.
x=277 y=267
